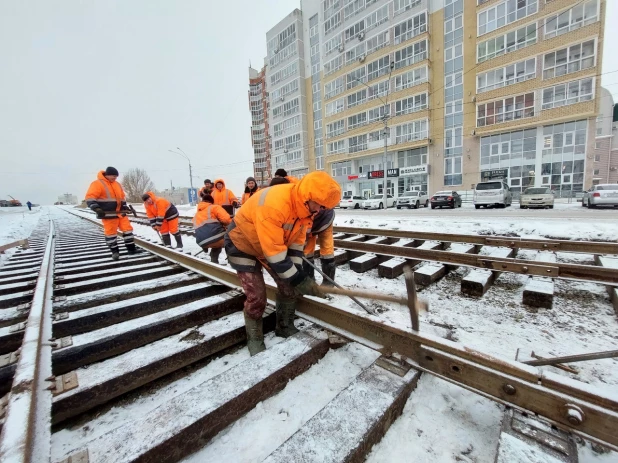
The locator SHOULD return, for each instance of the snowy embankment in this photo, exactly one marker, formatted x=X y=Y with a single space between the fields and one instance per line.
x=16 y=223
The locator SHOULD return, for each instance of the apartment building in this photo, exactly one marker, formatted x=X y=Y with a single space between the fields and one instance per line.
x=441 y=93
x=258 y=105
x=605 y=168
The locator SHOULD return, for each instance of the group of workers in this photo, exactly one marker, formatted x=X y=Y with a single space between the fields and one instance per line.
x=275 y=228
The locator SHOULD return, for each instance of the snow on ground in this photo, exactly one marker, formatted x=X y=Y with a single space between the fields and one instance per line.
x=16 y=223
x=442 y=422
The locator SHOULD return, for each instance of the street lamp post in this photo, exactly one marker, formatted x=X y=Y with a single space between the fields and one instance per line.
x=184 y=155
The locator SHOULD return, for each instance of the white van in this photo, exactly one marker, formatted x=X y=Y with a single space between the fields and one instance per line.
x=492 y=193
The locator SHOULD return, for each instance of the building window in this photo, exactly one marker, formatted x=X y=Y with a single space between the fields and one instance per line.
x=599 y=131
x=357 y=120
x=596 y=171
x=411 y=158
x=334 y=107
x=411 y=78
x=288 y=124
x=597 y=157
x=354 y=53
x=452 y=171
x=511 y=41
x=333 y=88
x=410 y=28
x=568 y=93
x=504 y=13
x=377 y=41
x=335 y=128
x=568 y=60
x=319 y=163
x=377 y=114
x=333 y=65
x=339 y=169
x=412 y=131
x=356 y=77
x=377 y=17
x=515 y=150
x=411 y=104
x=377 y=90
x=509 y=75
x=580 y=15
x=336 y=147
x=563 y=155
x=333 y=44
x=287 y=109
x=403 y=5
x=288 y=143
x=357 y=98
x=411 y=54
x=284 y=73
x=352 y=31
x=378 y=68
x=358 y=143
x=332 y=23
x=352 y=7
x=280 y=93
x=508 y=109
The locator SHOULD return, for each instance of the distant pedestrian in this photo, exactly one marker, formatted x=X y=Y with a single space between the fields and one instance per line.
x=29 y=204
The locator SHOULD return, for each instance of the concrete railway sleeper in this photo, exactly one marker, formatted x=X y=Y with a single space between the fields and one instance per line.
x=111 y=338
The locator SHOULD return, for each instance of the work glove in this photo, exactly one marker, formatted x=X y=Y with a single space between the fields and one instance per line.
x=308 y=287
x=100 y=212
x=156 y=227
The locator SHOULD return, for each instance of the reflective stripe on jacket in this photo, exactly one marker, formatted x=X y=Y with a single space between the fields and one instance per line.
x=106 y=195
x=210 y=222
x=161 y=210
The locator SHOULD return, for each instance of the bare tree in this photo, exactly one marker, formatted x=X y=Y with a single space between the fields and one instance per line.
x=136 y=182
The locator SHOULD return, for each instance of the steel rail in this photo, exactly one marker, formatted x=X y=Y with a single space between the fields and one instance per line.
x=26 y=433
x=588 y=247
x=569 y=403
x=503 y=264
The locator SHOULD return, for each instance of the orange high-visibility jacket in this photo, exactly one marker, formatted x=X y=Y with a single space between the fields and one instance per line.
x=161 y=210
x=224 y=197
x=107 y=195
x=246 y=196
x=322 y=232
x=210 y=222
x=273 y=224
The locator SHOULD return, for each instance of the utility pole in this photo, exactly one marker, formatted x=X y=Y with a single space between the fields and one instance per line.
x=184 y=155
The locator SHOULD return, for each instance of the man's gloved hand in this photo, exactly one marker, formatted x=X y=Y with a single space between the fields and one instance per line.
x=308 y=287
x=100 y=212
x=156 y=227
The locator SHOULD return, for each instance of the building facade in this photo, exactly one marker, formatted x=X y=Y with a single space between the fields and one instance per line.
x=605 y=168
x=258 y=105
x=442 y=92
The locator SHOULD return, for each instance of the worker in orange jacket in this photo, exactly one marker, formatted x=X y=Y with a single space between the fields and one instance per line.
x=209 y=223
x=250 y=189
x=321 y=231
x=106 y=197
x=270 y=231
x=163 y=217
x=206 y=189
x=222 y=195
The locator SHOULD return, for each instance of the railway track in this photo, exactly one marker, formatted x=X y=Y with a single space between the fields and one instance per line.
x=142 y=360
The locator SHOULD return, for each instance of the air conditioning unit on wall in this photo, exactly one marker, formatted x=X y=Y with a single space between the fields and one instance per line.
x=341 y=48
x=361 y=58
x=361 y=35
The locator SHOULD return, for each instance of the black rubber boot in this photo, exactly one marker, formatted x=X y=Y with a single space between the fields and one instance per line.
x=167 y=241
x=286 y=308
x=255 y=335
x=131 y=249
x=115 y=254
x=178 y=241
x=308 y=269
x=214 y=255
x=329 y=268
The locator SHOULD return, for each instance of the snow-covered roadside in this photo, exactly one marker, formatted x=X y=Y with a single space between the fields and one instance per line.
x=16 y=223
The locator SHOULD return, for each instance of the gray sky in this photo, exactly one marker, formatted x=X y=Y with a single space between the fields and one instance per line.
x=89 y=84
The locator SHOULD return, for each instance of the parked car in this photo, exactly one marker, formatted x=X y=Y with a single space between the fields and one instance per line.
x=377 y=202
x=492 y=193
x=537 y=197
x=413 y=199
x=353 y=202
x=601 y=195
x=446 y=198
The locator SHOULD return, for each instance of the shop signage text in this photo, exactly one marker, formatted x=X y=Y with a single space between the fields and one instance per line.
x=414 y=170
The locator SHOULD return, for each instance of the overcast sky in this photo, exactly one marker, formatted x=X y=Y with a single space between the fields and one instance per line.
x=87 y=84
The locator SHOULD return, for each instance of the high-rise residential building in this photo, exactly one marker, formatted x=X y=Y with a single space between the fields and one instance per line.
x=285 y=80
x=258 y=105
x=446 y=93
x=605 y=169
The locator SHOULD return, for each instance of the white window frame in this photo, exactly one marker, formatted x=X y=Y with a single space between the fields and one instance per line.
x=409 y=28
x=333 y=88
x=333 y=44
x=336 y=147
x=382 y=67
x=357 y=120
x=336 y=128
x=551 y=71
x=411 y=131
x=411 y=104
x=415 y=56
x=352 y=54
x=507 y=75
x=520 y=38
x=332 y=23
x=357 y=143
x=552 y=22
x=333 y=65
x=356 y=80
x=411 y=78
x=503 y=13
x=400 y=6
x=357 y=98
x=510 y=110
x=377 y=114
x=335 y=107
x=558 y=95
x=377 y=42
x=378 y=90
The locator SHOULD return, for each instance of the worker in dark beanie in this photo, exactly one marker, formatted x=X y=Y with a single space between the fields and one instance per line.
x=250 y=189
x=106 y=197
x=207 y=188
x=281 y=173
